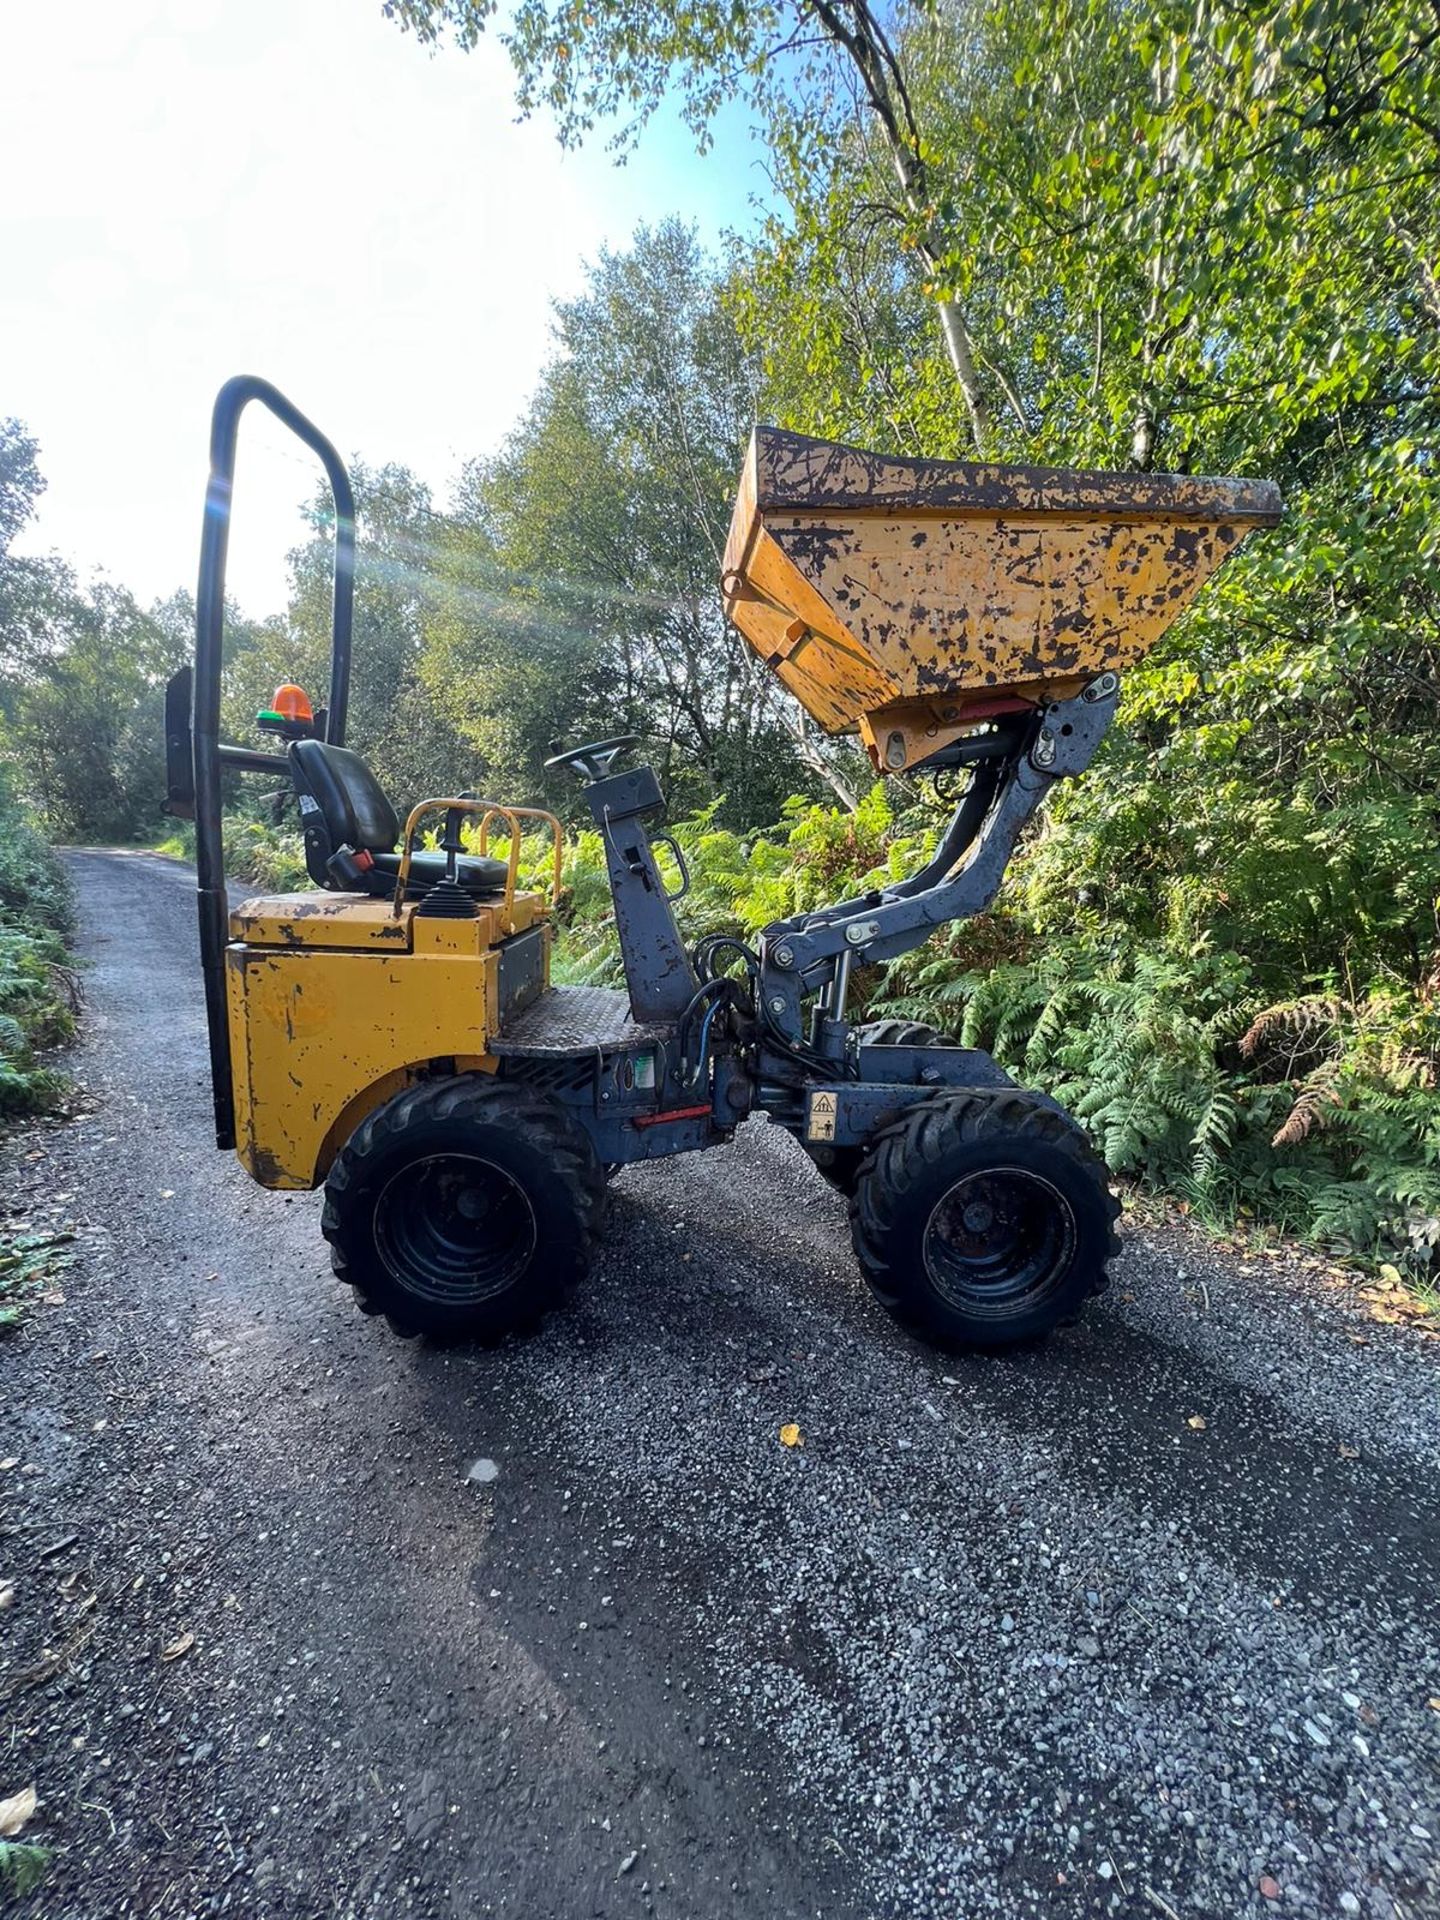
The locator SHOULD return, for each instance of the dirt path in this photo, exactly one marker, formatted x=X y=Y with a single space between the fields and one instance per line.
x=1007 y=1637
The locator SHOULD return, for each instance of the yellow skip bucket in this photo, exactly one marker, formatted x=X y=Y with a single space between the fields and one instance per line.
x=911 y=599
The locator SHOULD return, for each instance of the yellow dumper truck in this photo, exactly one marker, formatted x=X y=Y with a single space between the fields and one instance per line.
x=393 y=1033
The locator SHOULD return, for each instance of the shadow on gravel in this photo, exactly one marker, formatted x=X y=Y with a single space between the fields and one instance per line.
x=1269 y=1498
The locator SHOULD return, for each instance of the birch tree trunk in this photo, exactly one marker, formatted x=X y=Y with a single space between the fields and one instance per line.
x=856 y=30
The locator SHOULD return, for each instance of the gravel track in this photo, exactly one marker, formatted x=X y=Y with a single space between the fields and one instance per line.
x=1005 y=1637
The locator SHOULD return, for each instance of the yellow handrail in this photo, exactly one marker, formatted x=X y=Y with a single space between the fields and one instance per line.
x=487 y=810
x=557 y=836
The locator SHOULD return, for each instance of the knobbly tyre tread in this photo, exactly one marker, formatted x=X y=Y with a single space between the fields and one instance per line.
x=843 y=1168
x=458 y=1101
x=902 y=1033
x=904 y=1154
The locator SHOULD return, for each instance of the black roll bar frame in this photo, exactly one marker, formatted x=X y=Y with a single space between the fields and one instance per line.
x=211 y=755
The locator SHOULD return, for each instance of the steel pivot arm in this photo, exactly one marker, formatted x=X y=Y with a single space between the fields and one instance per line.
x=800 y=956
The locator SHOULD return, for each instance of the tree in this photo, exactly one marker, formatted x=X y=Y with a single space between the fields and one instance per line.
x=582 y=574
x=84 y=717
x=21 y=483
x=400 y=536
x=796 y=62
x=81 y=673
x=1165 y=220
x=30 y=589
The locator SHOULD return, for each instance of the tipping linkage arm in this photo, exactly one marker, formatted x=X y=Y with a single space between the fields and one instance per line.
x=804 y=955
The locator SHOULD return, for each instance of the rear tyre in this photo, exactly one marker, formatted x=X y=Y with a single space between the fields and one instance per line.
x=983 y=1219
x=841 y=1165
x=463 y=1208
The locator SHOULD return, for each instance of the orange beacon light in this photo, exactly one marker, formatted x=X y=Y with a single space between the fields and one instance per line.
x=289 y=713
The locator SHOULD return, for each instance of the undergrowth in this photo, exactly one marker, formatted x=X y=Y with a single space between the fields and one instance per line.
x=1194 y=1072
x=27 y=1262
x=256 y=851
x=37 y=990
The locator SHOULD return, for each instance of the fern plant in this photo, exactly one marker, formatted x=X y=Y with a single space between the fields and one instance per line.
x=36 y=988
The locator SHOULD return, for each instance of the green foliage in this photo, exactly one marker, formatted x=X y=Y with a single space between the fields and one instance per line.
x=86 y=717
x=1174 y=1063
x=577 y=588
x=1318 y=1116
x=269 y=857
x=82 y=673
x=567 y=592
x=258 y=852
x=590 y=62
x=22 y=1866
x=27 y=1262
x=35 y=989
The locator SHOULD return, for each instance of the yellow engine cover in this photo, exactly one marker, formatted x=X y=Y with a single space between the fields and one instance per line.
x=335 y=1003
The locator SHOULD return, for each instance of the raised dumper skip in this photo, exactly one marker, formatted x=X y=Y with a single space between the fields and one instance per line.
x=395 y=1035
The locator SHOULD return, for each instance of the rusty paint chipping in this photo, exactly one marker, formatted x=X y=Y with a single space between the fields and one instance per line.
x=334 y=1005
x=883 y=592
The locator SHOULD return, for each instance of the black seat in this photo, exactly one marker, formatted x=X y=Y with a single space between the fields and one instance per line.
x=342 y=804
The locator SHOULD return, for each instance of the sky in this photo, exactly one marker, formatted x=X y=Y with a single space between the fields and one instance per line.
x=197 y=188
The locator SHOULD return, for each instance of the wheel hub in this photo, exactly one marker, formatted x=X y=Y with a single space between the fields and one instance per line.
x=998 y=1240
x=455 y=1229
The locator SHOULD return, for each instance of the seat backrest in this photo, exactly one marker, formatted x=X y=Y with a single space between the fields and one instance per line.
x=336 y=785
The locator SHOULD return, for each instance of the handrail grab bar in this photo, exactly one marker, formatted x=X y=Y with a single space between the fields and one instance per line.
x=487 y=810
x=209 y=756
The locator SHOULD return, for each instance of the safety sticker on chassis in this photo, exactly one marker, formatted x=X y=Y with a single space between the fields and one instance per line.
x=822 y=1117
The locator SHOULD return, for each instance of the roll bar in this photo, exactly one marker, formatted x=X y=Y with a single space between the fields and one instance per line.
x=208 y=755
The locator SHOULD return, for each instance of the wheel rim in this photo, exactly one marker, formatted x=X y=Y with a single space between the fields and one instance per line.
x=455 y=1229
x=998 y=1241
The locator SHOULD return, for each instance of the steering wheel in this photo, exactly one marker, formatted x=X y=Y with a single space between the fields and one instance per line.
x=593 y=760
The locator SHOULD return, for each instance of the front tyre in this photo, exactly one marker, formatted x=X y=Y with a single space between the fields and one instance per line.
x=983 y=1219
x=463 y=1208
